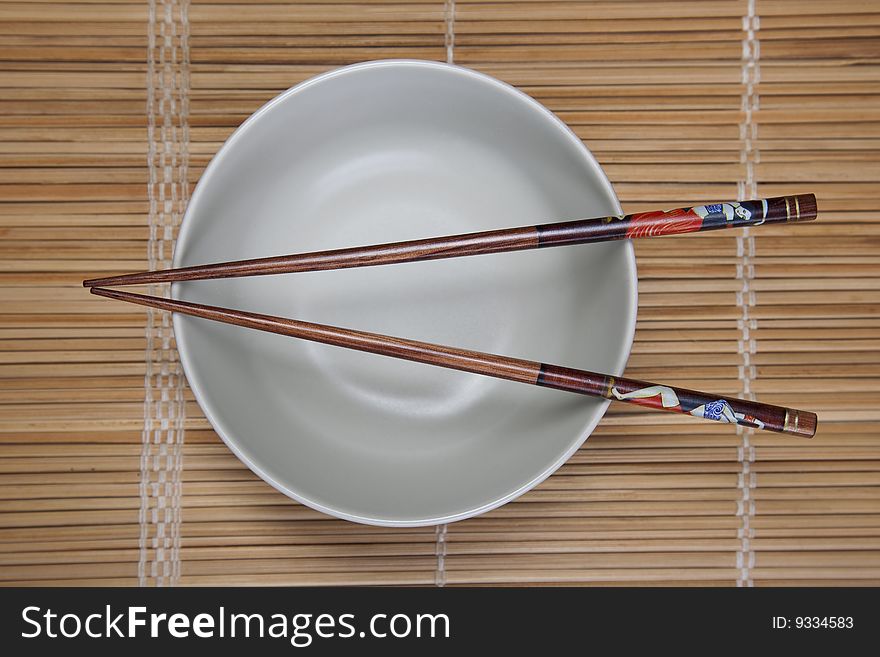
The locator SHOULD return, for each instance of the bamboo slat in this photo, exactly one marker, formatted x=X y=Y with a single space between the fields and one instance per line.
x=680 y=101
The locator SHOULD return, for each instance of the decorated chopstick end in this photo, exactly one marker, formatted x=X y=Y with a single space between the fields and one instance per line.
x=758 y=416
x=799 y=423
x=789 y=421
x=793 y=209
x=743 y=412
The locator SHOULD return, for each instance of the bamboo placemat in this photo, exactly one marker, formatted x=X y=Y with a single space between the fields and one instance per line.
x=109 y=112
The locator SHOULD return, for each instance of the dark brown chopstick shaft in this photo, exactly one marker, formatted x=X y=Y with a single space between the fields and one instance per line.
x=698 y=404
x=712 y=216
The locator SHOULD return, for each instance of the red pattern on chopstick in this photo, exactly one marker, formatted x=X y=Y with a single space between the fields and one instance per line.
x=672 y=222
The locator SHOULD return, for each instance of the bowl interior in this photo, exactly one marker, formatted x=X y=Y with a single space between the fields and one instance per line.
x=386 y=152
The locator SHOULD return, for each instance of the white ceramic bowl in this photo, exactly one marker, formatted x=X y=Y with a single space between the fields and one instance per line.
x=387 y=151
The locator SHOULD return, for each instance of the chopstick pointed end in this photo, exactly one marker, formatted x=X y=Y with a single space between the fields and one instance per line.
x=99 y=282
x=120 y=295
x=138 y=278
x=99 y=291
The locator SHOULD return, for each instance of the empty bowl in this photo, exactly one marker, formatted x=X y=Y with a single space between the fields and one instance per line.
x=388 y=151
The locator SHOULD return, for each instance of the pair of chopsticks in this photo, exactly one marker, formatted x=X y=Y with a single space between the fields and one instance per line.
x=583 y=231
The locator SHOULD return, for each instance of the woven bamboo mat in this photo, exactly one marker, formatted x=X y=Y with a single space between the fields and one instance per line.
x=109 y=112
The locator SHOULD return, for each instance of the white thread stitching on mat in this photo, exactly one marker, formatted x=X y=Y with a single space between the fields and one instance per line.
x=183 y=176
x=745 y=272
x=164 y=406
x=449 y=16
x=440 y=550
x=441 y=530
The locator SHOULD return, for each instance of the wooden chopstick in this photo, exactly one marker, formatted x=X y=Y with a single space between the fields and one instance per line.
x=661 y=397
x=712 y=216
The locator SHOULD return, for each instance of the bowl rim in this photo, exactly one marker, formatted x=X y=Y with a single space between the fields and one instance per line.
x=232 y=441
